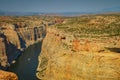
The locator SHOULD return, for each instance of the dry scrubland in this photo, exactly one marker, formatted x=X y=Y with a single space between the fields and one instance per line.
x=82 y=48
x=75 y=48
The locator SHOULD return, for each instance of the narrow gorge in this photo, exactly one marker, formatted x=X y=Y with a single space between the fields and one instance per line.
x=15 y=39
x=65 y=48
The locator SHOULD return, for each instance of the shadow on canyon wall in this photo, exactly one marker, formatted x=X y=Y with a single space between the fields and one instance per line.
x=114 y=49
x=27 y=63
x=12 y=52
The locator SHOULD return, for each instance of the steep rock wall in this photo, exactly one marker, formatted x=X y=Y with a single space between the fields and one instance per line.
x=3 y=56
x=17 y=37
x=65 y=58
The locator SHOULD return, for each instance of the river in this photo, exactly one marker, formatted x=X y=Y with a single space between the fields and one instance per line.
x=26 y=65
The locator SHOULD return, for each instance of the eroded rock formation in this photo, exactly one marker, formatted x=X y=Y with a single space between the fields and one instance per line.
x=16 y=37
x=7 y=75
x=3 y=56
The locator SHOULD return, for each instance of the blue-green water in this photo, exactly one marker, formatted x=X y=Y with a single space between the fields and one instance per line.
x=26 y=65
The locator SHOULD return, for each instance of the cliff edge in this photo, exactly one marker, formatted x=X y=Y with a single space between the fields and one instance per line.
x=65 y=57
x=15 y=36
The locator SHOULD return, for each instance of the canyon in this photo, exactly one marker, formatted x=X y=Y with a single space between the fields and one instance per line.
x=15 y=37
x=68 y=48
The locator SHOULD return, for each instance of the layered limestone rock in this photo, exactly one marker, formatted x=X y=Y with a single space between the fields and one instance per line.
x=64 y=57
x=7 y=75
x=17 y=37
x=10 y=33
x=3 y=56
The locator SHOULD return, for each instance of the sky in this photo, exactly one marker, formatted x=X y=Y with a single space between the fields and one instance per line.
x=57 y=5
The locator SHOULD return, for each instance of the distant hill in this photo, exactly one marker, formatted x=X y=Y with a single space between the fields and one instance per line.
x=5 y=13
x=1 y=12
x=112 y=9
x=105 y=10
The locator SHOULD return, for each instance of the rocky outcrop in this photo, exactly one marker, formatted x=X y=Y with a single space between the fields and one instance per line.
x=14 y=38
x=65 y=57
x=3 y=56
x=7 y=75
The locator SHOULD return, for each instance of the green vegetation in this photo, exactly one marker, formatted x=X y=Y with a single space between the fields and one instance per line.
x=92 y=25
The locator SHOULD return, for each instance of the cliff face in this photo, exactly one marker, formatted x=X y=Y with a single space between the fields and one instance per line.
x=3 y=56
x=16 y=37
x=65 y=57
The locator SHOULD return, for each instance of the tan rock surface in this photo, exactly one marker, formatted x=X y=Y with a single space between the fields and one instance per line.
x=88 y=61
x=4 y=75
x=17 y=34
